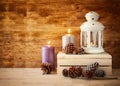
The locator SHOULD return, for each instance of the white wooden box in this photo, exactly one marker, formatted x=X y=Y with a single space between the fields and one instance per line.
x=67 y=60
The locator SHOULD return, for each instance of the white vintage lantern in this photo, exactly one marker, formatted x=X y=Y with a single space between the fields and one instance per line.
x=92 y=34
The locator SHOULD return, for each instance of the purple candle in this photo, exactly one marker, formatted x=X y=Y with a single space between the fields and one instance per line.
x=48 y=54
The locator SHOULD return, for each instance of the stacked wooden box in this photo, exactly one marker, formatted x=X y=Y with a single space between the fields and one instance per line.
x=67 y=60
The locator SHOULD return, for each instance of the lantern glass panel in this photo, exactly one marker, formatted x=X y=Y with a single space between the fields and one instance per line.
x=93 y=38
x=84 y=39
x=96 y=39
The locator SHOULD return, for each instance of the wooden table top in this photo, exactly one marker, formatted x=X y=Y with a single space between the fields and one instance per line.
x=34 y=77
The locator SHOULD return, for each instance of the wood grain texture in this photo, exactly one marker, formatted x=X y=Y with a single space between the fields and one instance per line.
x=34 y=77
x=25 y=26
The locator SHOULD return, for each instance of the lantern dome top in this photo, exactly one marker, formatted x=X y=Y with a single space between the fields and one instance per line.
x=92 y=24
x=92 y=16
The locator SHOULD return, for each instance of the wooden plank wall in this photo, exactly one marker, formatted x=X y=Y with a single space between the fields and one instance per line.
x=27 y=25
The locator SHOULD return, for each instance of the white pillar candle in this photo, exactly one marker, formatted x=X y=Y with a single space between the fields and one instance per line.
x=99 y=39
x=68 y=38
x=88 y=39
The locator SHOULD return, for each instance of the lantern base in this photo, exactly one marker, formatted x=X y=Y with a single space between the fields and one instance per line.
x=94 y=50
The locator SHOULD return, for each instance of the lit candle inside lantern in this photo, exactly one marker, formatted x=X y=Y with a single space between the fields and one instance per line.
x=48 y=54
x=94 y=37
x=68 y=38
x=92 y=44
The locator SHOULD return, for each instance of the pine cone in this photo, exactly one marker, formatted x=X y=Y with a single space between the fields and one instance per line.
x=69 y=48
x=93 y=67
x=90 y=70
x=88 y=74
x=100 y=73
x=75 y=51
x=72 y=72
x=78 y=71
x=65 y=72
x=81 y=51
x=46 y=68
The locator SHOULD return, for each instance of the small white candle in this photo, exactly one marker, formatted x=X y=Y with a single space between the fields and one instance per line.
x=68 y=38
x=92 y=45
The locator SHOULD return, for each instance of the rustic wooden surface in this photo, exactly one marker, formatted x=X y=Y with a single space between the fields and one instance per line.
x=27 y=25
x=34 y=77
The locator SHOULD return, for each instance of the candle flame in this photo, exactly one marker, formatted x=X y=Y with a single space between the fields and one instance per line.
x=69 y=31
x=49 y=42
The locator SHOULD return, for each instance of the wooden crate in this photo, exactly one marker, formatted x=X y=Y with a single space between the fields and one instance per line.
x=67 y=60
